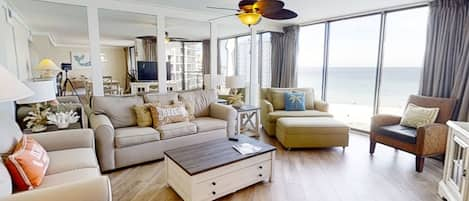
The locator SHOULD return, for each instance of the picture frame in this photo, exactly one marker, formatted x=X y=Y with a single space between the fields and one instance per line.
x=80 y=60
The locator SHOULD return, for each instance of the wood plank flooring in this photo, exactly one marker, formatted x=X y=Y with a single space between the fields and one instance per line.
x=309 y=174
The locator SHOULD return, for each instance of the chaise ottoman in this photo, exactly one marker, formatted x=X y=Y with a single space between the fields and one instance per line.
x=310 y=132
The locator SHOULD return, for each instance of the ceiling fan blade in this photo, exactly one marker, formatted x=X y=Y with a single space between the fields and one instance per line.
x=217 y=18
x=244 y=3
x=268 y=6
x=283 y=14
x=219 y=8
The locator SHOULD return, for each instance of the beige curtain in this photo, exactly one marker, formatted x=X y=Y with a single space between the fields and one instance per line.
x=446 y=64
x=149 y=49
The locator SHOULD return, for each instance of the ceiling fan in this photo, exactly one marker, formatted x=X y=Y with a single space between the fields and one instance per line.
x=251 y=11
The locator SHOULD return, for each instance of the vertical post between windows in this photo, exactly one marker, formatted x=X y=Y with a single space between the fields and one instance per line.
x=379 y=68
x=325 y=60
x=183 y=50
x=259 y=59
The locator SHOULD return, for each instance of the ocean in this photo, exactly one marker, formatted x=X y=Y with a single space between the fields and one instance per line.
x=356 y=85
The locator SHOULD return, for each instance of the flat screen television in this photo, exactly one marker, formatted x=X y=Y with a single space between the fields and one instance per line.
x=148 y=71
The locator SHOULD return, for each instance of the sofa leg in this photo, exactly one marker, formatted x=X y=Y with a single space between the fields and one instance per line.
x=419 y=163
x=372 y=146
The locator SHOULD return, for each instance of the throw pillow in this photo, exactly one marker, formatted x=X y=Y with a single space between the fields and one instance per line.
x=278 y=100
x=416 y=116
x=143 y=115
x=294 y=101
x=309 y=97
x=166 y=114
x=28 y=164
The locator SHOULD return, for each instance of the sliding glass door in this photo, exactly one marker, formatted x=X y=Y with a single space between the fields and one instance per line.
x=371 y=64
x=353 y=52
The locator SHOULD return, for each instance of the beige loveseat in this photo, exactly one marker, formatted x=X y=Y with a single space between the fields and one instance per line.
x=73 y=172
x=120 y=142
x=273 y=107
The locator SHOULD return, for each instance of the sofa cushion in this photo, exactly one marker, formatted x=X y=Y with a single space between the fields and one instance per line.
x=416 y=116
x=6 y=187
x=164 y=99
x=273 y=116
x=166 y=114
x=200 y=100
x=401 y=133
x=295 y=101
x=135 y=135
x=71 y=159
x=69 y=177
x=169 y=131
x=205 y=124
x=119 y=109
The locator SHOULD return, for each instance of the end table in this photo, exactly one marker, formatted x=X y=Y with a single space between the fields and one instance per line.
x=246 y=114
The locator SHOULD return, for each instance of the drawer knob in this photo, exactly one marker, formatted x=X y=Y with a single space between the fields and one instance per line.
x=260 y=175
x=213 y=192
x=213 y=183
x=260 y=167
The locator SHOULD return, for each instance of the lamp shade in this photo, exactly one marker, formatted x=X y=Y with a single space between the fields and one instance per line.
x=235 y=82
x=43 y=91
x=11 y=88
x=47 y=65
x=249 y=18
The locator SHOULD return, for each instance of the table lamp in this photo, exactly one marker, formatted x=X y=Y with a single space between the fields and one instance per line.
x=47 y=68
x=235 y=83
x=44 y=91
x=11 y=88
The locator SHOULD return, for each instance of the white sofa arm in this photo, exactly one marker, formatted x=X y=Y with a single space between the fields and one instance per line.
x=96 y=189
x=104 y=133
x=225 y=112
x=65 y=139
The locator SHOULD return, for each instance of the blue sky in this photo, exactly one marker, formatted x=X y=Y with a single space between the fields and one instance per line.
x=354 y=42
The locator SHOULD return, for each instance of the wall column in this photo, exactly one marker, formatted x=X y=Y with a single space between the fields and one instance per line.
x=95 y=50
x=161 y=53
x=213 y=53
x=254 y=78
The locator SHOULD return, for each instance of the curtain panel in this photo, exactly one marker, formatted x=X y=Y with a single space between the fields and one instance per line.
x=284 y=53
x=206 y=56
x=446 y=63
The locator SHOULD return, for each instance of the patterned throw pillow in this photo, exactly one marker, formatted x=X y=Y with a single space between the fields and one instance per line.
x=294 y=101
x=166 y=114
x=143 y=115
x=28 y=164
x=416 y=116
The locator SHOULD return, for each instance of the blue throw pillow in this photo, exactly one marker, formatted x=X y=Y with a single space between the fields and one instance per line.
x=295 y=101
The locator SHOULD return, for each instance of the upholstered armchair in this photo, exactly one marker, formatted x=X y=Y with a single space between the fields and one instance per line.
x=272 y=107
x=425 y=141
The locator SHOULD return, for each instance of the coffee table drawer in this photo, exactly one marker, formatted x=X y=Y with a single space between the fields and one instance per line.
x=233 y=181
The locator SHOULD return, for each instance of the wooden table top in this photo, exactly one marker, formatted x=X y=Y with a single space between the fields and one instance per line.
x=198 y=158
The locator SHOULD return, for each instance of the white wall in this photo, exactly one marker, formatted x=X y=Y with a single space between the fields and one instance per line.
x=115 y=66
x=13 y=42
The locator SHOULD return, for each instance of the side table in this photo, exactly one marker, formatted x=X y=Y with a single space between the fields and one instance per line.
x=246 y=115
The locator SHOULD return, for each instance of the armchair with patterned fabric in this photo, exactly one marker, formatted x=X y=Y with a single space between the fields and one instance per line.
x=425 y=141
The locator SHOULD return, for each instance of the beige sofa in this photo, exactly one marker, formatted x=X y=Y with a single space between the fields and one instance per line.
x=272 y=107
x=73 y=172
x=120 y=142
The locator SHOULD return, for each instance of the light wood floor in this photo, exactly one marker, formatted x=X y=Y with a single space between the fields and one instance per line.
x=313 y=174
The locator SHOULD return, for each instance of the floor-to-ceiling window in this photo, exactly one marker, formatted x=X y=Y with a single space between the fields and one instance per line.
x=404 y=48
x=185 y=59
x=235 y=58
x=373 y=62
x=353 y=52
x=311 y=57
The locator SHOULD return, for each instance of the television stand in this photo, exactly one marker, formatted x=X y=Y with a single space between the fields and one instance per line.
x=150 y=87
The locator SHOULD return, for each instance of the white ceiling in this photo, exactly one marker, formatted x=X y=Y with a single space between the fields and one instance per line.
x=67 y=24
